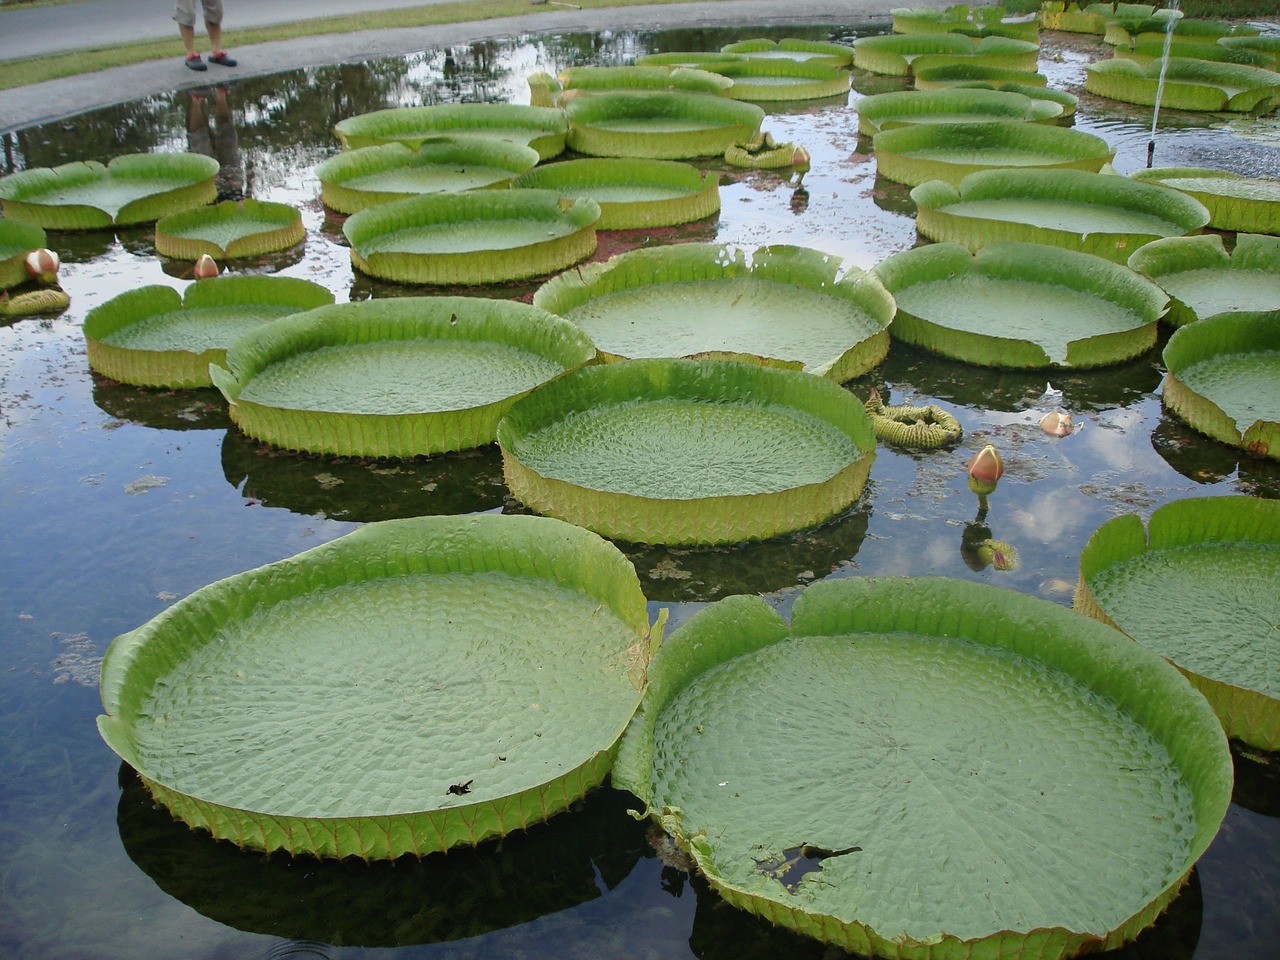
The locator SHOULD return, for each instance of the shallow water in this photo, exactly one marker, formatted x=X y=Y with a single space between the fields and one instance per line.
x=115 y=501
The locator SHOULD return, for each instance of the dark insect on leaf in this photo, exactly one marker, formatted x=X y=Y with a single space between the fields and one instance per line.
x=458 y=789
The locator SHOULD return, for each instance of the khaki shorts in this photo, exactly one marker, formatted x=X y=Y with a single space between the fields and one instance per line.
x=186 y=12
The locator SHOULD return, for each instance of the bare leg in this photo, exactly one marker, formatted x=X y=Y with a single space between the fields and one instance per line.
x=215 y=37
x=188 y=35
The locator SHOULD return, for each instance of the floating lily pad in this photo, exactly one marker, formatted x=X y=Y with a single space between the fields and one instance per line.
x=900 y=55
x=653 y=77
x=542 y=128
x=1021 y=305
x=1203 y=280
x=1145 y=50
x=926 y=768
x=1094 y=17
x=399 y=377
x=155 y=337
x=1247 y=204
x=766 y=79
x=632 y=192
x=960 y=18
x=684 y=451
x=413 y=686
x=360 y=178
x=1098 y=213
x=784 y=306
x=801 y=51
x=233 y=228
x=663 y=126
x=884 y=111
x=956 y=74
x=687 y=58
x=1186 y=85
x=1224 y=379
x=1199 y=588
x=952 y=151
x=17 y=239
x=87 y=195
x=484 y=236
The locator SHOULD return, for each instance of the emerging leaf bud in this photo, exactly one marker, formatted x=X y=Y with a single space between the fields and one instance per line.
x=43 y=264
x=985 y=470
x=205 y=267
x=1056 y=423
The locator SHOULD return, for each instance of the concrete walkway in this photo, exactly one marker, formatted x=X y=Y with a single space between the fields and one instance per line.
x=98 y=23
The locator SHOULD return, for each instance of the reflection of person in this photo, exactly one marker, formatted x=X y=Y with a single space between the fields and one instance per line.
x=185 y=14
x=216 y=137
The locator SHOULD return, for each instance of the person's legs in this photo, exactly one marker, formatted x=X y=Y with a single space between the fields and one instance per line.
x=185 y=14
x=213 y=24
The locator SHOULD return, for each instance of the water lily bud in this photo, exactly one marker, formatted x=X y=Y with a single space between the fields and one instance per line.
x=1056 y=423
x=205 y=267
x=800 y=159
x=985 y=469
x=43 y=264
x=999 y=554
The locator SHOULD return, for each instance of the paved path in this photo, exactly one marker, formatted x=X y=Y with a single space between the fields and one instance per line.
x=98 y=23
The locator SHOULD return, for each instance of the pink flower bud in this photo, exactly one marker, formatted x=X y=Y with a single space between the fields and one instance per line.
x=985 y=469
x=1056 y=423
x=205 y=267
x=43 y=264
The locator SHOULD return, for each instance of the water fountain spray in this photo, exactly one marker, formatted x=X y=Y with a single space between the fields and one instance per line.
x=1170 y=21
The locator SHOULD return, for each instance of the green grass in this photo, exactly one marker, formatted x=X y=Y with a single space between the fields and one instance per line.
x=1199 y=9
x=17 y=73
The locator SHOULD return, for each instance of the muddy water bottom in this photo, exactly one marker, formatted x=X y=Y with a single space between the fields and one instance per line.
x=116 y=501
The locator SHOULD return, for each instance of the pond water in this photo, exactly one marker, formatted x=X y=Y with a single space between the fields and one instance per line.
x=115 y=501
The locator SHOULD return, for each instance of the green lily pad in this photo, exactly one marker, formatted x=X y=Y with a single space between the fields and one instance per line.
x=1147 y=48
x=233 y=228
x=661 y=126
x=155 y=337
x=1203 y=280
x=696 y=59
x=1198 y=587
x=1094 y=17
x=1187 y=84
x=960 y=18
x=783 y=306
x=900 y=55
x=87 y=195
x=413 y=686
x=401 y=377
x=954 y=74
x=767 y=79
x=885 y=111
x=684 y=451
x=1103 y=214
x=950 y=152
x=1021 y=305
x=360 y=178
x=668 y=78
x=929 y=768
x=1224 y=380
x=632 y=192
x=477 y=237
x=17 y=239
x=542 y=128
x=1247 y=204
x=825 y=52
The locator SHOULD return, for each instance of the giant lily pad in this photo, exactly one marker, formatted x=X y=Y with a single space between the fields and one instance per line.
x=87 y=195
x=684 y=451
x=784 y=305
x=233 y=228
x=394 y=378
x=885 y=111
x=965 y=73
x=950 y=152
x=632 y=192
x=929 y=768
x=1098 y=213
x=763 y=79
x=1187 y=84
x=155 y=337
x=17 y=239
x=697 y=59
x=1199 y=588
x=1248 y=204
x=1203 y=280
x=542 y=128
x=1147 y=49
x=1021 y=305
x=413 y=686
x=1224 y=379
x=593 y=80
x=484 y=236
x=360 y=178
x=1094 y=17
x=798 y=51
x=662 y=126
x=960 y=18
x=900 y=55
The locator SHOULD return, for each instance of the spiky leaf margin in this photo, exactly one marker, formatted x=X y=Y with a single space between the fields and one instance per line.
x=1245 y=714
x=702 y=520
x=415 y=319
x=1119 y=670
x=699 y=192
x=724 y=121
x=530 y=547
x=254 y=227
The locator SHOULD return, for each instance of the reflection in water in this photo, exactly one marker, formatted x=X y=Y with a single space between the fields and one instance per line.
x=202 y=409
x=212 y=132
